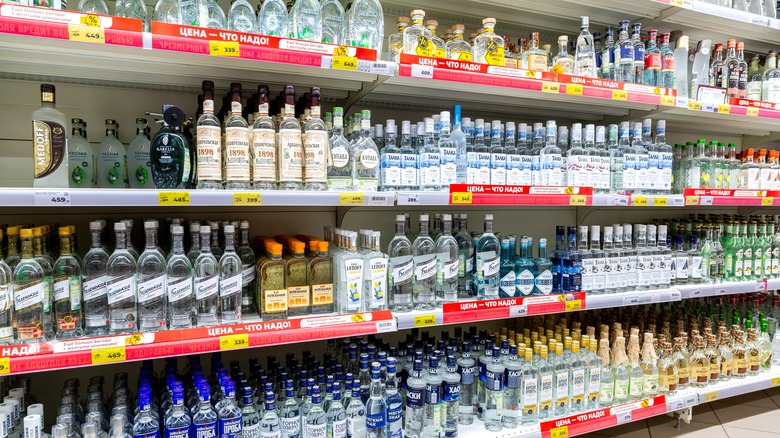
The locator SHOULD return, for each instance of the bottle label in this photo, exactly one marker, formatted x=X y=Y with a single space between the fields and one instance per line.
x=264 y=157
x=514 y=173
x=507 y=283
x=29 y=296
x=339 y=156
x=544 y=282
x=181 y=289
x=230 y=285
x=551 y=173
x=49 y=144
x=354 y=275
x=297 y=297
x=497 y=169
x=206 y=430
x=120 y=290
x=378 y=282
x=430 y=171
x=772 y=87
x=621 y=390
x=177 y=432
x=530 y=396
x=237 y=154
x=322 y=294
x=276 y=434
x=490 y=264
x=482 y=174
x=229 y=428
x=594 y=384
x=653 y=61
x=414 y=397
x=645 y=271
x=425 y=267
x=667 y=62
x=650 y=383
x=402 y=270
x=449 y=169
x=471 y=167
x=369 y=158
x=95 y=288
x=247 y=275
x=151 y=289
x=754 y=89
x=695 y=267
x=451 y=391
x=494 y=54
x=466 y=374
x=155 y=434
x=391 y=169
x=375 y=421
x=561 y=388
x=206 y=287
x=578 y=387
x=525 y=282
x=537 y=62
x=61 y=290
x=424 y=46
x=409 y=170
x=449 y=270
x=606 y=393
x=291 y=426
x=209 y=155
x=629 y=171
x=338 y=428
x=512 y=378
x=577 y=173
x=275 y=301
x=291 y=159
x=545 y=392
x=635 y=387
x=624 y=51
x=588 y=277
x=314 y=145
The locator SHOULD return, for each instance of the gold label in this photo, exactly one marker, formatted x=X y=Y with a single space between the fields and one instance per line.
x=298 y=296
x=464 y=56
x=275 y=301
x=48 y=147
x=495 y=54
x=424 y=46
x=322 y=294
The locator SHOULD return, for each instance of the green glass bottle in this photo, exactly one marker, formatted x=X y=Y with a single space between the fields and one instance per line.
x=729 y=249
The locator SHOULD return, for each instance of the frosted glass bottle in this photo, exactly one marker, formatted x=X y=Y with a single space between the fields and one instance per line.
x=334 y=22
x=139 y=172
x=81 y=158
x=112 y=160
x=241 y=17
x=273 y=19
x=306 y=20
x=167 y=11
x=366 y=25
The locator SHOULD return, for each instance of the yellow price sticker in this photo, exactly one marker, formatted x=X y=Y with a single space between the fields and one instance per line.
x=108 y=355
x=231 y=342
x=224 y=48
x=424 y=320
x=358 y=317
x=461 y=198
x=173 y=198
x=574 y=89
x=775 y=380
x=694 y=105
x=767 y=200
x=86 y=34
x=691 y=200
x=752 y=111
x=344 y=63
x=678 y=3
x=710 y=397
x=351 y=198
x=560 y=432
x=660 y=201
x=578 y=200
x=247 y=198
x=668 y=100
x=641 y=201
x=551 y=87
x=573 y=305
x=724 y=109
x=619 y=95
x=5 y=365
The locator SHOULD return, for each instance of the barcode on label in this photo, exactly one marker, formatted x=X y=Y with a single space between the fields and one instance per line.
x=377 y=200
x=385 y=326
x=623 y=417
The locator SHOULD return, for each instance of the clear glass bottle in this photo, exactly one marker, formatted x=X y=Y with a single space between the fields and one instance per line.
x=458 y=48
x=112 y=159
x=230 y=280
x=145 y=422
x=298 y=290
x=241 y=17
x=494 y=389
x=551 y=173
x=290 y=145
x=315 y=146
x=546 y=382
x=668 y=79
x=447 y=263
x=624 y=55
x=488 y=46
x=273 y=19
x=206 y=282
x=152 y=310
x=585 y=52
x=366 y=25
x=209 y=143
x=439 y=50
x=753 y=353
x=121 y=277
x=237 y=155
x=390 y=159
x=607 y=385
x=401 y=267
x=395 y=42
x=429 y=160
x=334 y=22
x=649 y=366
x=350 y=270
x=29 y=296
x=66 y=290
x=563 y=62
x=178 y=270
x=700 y=364
x=364 y=158
x=229 y=415
x=424 y=253
x=139 y=171
x=608 y=54
x=668 y=373
x=376 y=408
x=264 y=156
x=488 y=257
x=416 y=38
x=466 y=368
x=94 y=284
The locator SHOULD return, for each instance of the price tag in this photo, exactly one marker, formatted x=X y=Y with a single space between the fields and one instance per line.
x=224 y=48
x=560 y=432
x=231 y=342
x=247 y=198
x=623 y=417
x=619 y=95
x=660 y=201
x=710 y=397
x=551 y=87
x=574 y=89
x=678 y=3
x=767 y=200
x=706 y=200
x=752 y=111
x=351 y=198
x=695 y=292
x=460 y=198
x=518 y=311
x=173 y=198
x=52 y=199
x=108 y=355
x=345 y=63
x=424 y=320
x=422 y=71
x=641 y=201
x=667 y=100
x=578 y=200
x=573 y=305
x=86 y=34
x=775 y=380
x=691 y=200
x=724 y=109
x=409 y=199
x=694 y=105
x=5 y=365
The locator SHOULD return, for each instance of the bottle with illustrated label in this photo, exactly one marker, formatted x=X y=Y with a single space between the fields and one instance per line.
x=112 y=160
x=151 y=283
x=206 y=282
x=298 y=291
x=550 y=159
x=121 y=276
x=48 y=280
x=364 y=157
x=229 y=415
x=447 y=263
x=316 y=421
x=488 y=46
x=209 y=143
x=290 y=145
x=390 y=159
x=339 y=167
x=497 y=155
x=50 y=143
x=620 y=370
x=248 y=283
x=178 y=271
x=543 y=275
x=439 y=51
x=417 y=38
x=315 y=147
x=28 y=287
x=349 y=278
x=448 y=153
x=488 y=256
x=320 y=277
x=401 y=268
x=264 y=156
x=81 y=157
x=66 y=291
x=230 y=280
x=93 y=276
x=271 y=291
x=424 y=280
x=139 y=170
x=236 y=144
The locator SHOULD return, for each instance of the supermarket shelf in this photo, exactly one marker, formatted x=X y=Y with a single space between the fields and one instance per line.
x=726 y=288
x=633 y=298
x=735 y=387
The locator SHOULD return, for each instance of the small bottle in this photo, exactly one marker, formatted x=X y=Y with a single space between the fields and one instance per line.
x=206 y=282
x=121 y=276
x=700 y=365
x=668 y=373
x=50 y=144
x=271 y=291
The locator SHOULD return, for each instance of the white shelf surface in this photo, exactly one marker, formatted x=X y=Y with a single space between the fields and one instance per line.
x=633 y=298
x=726 y=288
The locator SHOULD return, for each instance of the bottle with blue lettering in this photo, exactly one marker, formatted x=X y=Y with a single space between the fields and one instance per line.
x=471 y=152
x=494 y=392
x=337 y=415
x=537 y=143
x=204 y=420
x=482 y=169
x=481 y=383
x=270 y=425
x=448 y=152
x=376 y=409
x=512 y=393
x=316 y=421
x=409 y=171
x=551 y=160
x=451 y=398
x=229 y=423
x=466 y=365
x=290 y=413
x=459 y=142
x=250 y=418
x=393 y=401
x=415 y=402
x=390 y=159
x=356 y=413
x=497 y=155
x=513 y=161
x=177 y=422
x=430 y=160
x=433 y=403
x=145 y=425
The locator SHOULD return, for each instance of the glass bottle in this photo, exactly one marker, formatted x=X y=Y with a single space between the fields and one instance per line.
x=81 y=157
x=447 y=263
x=550 y=158
x=206 y=281
x=770 y=80
x=209 y=147
x=466 y=369
x=753 y=353
x=667 y=63
x=93 y=7
x=439 y=50
x=488 y=46
x=494 y=389
x=608 y=54
x=121 y=276
x=216 y=16
x=563 y=62
x=458 y=48
x=652 y=55
x=139 y=172
x=66 y=290
x=416 y=38
x=395 y=42
x=700 y=365
x=290 y=145
x=624 y=55
x=546 y=382
x=424 y=282
x=334 y=23
x=315 y=146
x=29 y=296
x=535 y=58
x=179 y=283
x=607 y=385
x=366 y=25
x=620 y=370
x=167 y=11
x=273 y=19
x=543 y=276
x=585 y=53
x=415 y=401
x=241 y=17
x=365 y=157
x=429 y=160
x=112 y=159
x=731 y=71
x=151 y=283
x=237 y=155
x=488 y=262
x=264 y=158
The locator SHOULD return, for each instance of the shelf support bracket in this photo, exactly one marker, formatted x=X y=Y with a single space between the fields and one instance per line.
x=354 y=96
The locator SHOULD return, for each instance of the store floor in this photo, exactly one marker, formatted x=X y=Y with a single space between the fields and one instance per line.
x=754 y=415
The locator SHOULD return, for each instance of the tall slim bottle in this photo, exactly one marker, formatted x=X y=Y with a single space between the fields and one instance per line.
x=121 y=277
x=28 y=287
x=209 y=143
x=50 y=143
x=151 y=283
x=94 y=284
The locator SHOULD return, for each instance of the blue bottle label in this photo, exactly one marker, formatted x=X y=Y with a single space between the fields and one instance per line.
x=513 y=378
x=626 y=51
x=177 y=432
x=394 y=414
x=230 y=428
x=494 y=381
x=147 y=435
x=374 y=421
x=432 y=394
x=206 y=430
x=414 y=397
x=639 y=53
x=466 y=375
x=451 y=391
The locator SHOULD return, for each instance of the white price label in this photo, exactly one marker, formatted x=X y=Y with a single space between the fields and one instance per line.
x=630 y=301
x=385 y=326
x=760 y=285
x=695 y=293
x=409 y=199
x=691 y=400
x=708 y=107
x=422 y=71
x=52 y=199
x=518 y=311
x=326 y=61
x=378 y=199
x=623 y=417
x=705 y=200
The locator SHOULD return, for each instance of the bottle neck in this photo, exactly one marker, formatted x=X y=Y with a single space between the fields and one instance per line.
x=178 y=244
x=205 y=242
x=121 y=242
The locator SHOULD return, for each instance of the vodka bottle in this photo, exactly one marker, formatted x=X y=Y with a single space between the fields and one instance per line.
x=315 y=424
x=458 y=140
x=204 y=419
x=145 y=424
x=177 y=423
x=665 y=160
x=206 y=282
x=578 y=371
x=306 y=21
x=507 y=283
x=465 y=259
x=315 y=146
x=356 y=414
x=112 y=160
x=607 y=384
x=390 y=159
x=578 y=172
x=334 y=22
x=194 y=13
x=66 y=290
x=93 y=7
x=450 y=397
x=29 y=297
x=561 y=383
x=251 y=419
x=237 y=156
x=458 y=48
x=447 y=263
x=433 y=402
x=264 y=156
x=121 y=275
x=489 y=47
x=364 y=158
x=48 y=280
x=494 y=389
x=290 y=146
x=229 y=416
x=139 y=171
x=667 y=63
x=376 y=408
x=608 y=55
x=167 y=11
x=216 y=16
x=624 y=55
x=351 y=298
x=339 y=168
x=94 y=284
x=497 y=155
x=550 y=159
x=395 y=42
x=393 y=401
x=179 y=283
x=289 y=413
x=248 y=276
x=230 y=280
x=269 y=425
x=563 y=61
x=466 y=369
x=642 y=158
x=528 y=401
x=638 y=53
x=510 y=416
x=409 y=163
x=488 y=256
x=585 y=53
x=401 y=268
x=447 y=153
x=7 y=301
x=366 y=25
x=241 y=17
x=424 y=253
x=416 y=38
x=543 y=276
x=273 y=19
x=652 y=61
x=429 y=160
x=151 y=283
x=81 y=157
x=513 y=159
x=482 y=165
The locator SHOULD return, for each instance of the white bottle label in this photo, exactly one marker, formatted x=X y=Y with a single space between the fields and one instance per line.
x=237 y=154
x=449 y=170
x=530 y=389
x=497 y=169
x=230 y=285
x=402 y=270
x=491 y=264
x=695 y=267
x=551 y=173
x=94 y=288
x=206 y=287
x=339 y=156
x=120 y=290
x=369 y=158
x=378 y=282
x=291 y=155
x=339 y=428
x=354 y=276
x=588 y=277
x=577 y=172
x=409 y=170
x=151 y=289
x=450 y=269
x=291 y=426
x=314 y=430
x=391 y=169
x=482 y=175
x=314 y=147
x=209 y=154
x=629 y=171
x=430 y=171
x=61 y=290
x=513 y=170
x=546 y=391
x=29 y=296
x=180 y=290
x=247 y=274
x=425 y=267
x=264 y=156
